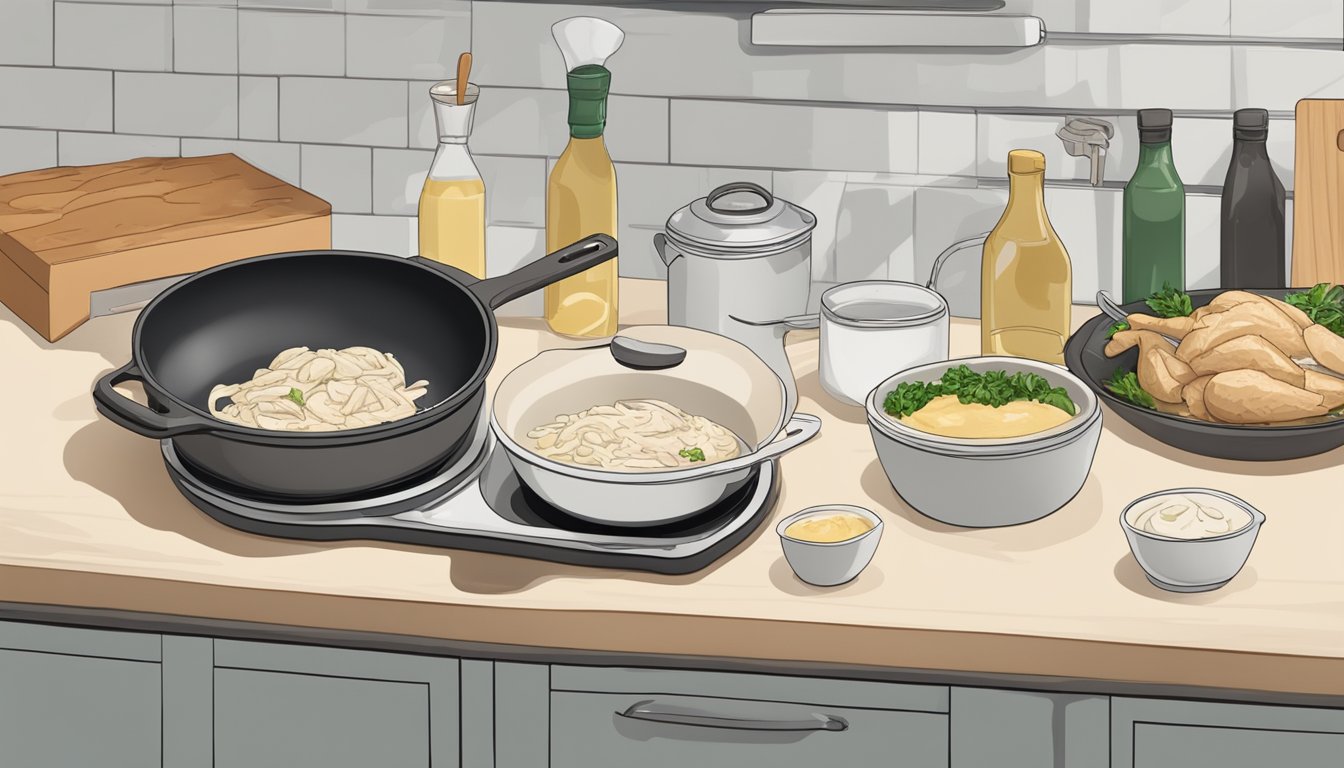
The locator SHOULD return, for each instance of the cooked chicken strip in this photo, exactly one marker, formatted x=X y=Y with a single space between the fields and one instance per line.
x=1327 y=386
x=1175 y=327
x=1249 y=352
x=1253 y=397
x=1193 y=395
x=1144 y=340
x=1325 y=347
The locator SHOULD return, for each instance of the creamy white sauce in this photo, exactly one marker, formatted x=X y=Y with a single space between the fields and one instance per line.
x=1188 y=516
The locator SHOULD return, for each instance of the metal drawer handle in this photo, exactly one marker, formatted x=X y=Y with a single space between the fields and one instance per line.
x=655 y=711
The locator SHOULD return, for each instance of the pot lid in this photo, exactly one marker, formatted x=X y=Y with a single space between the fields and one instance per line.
x=740 y=218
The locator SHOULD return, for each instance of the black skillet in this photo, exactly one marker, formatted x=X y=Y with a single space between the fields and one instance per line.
x=1085 y=358
x=220 y=325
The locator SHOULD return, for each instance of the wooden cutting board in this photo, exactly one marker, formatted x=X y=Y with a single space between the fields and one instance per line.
x=1318 y=193
x=68 y=232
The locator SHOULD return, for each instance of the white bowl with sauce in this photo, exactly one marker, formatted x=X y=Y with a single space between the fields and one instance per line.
x=1191 y=539
x=991 y=482
x=831 y=544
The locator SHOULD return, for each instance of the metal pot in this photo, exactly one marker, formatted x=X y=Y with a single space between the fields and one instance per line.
x=222 y=324
x=725 y=260
x=702 y=373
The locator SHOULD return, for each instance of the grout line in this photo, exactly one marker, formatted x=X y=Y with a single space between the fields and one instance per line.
x=1113 y=38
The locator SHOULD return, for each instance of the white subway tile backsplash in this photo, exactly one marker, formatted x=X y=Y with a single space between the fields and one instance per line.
x=26 y=150
x=397 y=235
x=331 y=6
x=1089 y=222
x=205 y=39
x=72 y=99
x=114 y=36
x=394 y=235
x=819 y=192
x=1203 y=217
x=396 y=7
x=259 y=108
x=343 y=176
x=1288 y=18
x=1281 y=146
x=269 y=42
x=637 y=129
x=874 y=233
x=509 y=248
x=423 y=133
x=1173 y=76
x=947 y=143
x=1276 y=78
x=945 y=216
x=1201 y=148
x=420 y=47
x=343 y=111
x=95 y=148
x=794 y=136
x=515 y=190
x=1166 y=17
x=520 y=121
x=177 y=105
x=279 y=160
x=398 y=177
x=26 y=34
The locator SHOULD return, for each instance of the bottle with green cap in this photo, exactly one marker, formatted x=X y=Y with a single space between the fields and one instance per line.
x=581 y=192
x=1153 y=228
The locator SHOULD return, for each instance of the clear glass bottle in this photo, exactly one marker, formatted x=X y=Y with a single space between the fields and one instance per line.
x=452 y=202
x=581 y=191
x=1154 y=214
x=1026 y=279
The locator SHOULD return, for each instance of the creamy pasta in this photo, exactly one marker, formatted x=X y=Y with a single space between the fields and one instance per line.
x=635 y=435
x=303 y=390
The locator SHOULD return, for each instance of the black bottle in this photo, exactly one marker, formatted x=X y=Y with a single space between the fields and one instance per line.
x=1253 y=221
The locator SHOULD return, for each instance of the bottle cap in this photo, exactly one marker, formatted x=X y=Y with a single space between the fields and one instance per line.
x=1154 y=126
x=453 y=120
x=1026 y=161
x=588 y=87
x=1250 y=124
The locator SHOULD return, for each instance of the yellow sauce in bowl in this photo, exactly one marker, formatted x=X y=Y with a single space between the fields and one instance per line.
x=829 y=529
x=947 y=416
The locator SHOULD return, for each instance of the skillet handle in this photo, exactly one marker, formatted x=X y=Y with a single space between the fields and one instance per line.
x=495 y=292
x=131 y=415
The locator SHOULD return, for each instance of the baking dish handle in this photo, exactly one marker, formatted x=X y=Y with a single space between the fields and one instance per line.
x=142 y=420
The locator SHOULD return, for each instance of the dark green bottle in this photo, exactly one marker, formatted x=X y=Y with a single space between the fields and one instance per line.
x=1154 y=220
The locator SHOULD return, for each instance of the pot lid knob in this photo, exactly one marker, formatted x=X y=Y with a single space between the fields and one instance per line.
x=740 y=186
x=645 y=355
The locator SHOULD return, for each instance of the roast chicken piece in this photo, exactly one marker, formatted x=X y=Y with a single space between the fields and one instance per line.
x=1249 y=352
x=1327 y=386
x=1325 y=347
x=1175 y=327
x=1253 y=397
x=1193 y=395
x=1161 y=373
x=1229 y=299
x=1249 y=318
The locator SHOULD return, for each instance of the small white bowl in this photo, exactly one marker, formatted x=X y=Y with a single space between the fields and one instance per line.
x=1192 y=565
x=829 y=564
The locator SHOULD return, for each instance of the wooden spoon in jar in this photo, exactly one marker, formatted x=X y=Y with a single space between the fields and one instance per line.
x=463 y=74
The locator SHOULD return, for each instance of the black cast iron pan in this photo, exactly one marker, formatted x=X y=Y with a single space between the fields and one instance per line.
x=1085 y=358
x=220 y=325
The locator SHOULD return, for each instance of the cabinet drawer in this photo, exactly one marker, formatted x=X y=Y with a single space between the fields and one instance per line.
x=1161 y=745
x=596 y=730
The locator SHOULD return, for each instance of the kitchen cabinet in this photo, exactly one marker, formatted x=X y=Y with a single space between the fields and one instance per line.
x=619 y=717
x=1153 y=733
x=71 y=697
x=299 y=706
x=1028 y=729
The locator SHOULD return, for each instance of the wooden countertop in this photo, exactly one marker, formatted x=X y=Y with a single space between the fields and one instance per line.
x=88 y=518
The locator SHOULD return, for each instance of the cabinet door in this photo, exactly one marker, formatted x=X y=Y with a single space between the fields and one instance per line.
x=74 y=697
x=307 y=707
x=1150 y=733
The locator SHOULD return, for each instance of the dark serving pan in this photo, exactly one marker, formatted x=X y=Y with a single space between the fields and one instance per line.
x=220 y=325
x=1084 y=356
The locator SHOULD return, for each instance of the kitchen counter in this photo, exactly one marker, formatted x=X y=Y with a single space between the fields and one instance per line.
x=89 y=520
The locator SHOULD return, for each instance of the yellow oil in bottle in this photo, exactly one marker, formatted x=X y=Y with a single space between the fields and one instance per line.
x=1026 y=279
x=581 y=201
x=452 y=223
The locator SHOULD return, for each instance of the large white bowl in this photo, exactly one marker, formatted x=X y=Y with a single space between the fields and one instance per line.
x=987 y=483
x=1192 y=565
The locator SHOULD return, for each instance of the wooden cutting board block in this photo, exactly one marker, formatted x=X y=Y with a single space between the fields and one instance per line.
x=1318 y=193
x=67 y=232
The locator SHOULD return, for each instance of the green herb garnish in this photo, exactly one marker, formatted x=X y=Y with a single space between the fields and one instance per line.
x=1116 y=328
x=1170 y=302
x=1125 y=385
x=692 y=454
x=1323 y=303
x=992 y=388
x=296 y=395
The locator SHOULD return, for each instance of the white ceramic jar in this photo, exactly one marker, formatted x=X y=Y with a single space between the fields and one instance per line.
x=872 y=329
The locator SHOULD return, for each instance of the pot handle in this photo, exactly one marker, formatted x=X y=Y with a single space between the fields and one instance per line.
x=139 y=419
x=800 y=428
x=791 y=323
x=739 y=186
x=660 y=245
x=495 y=292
